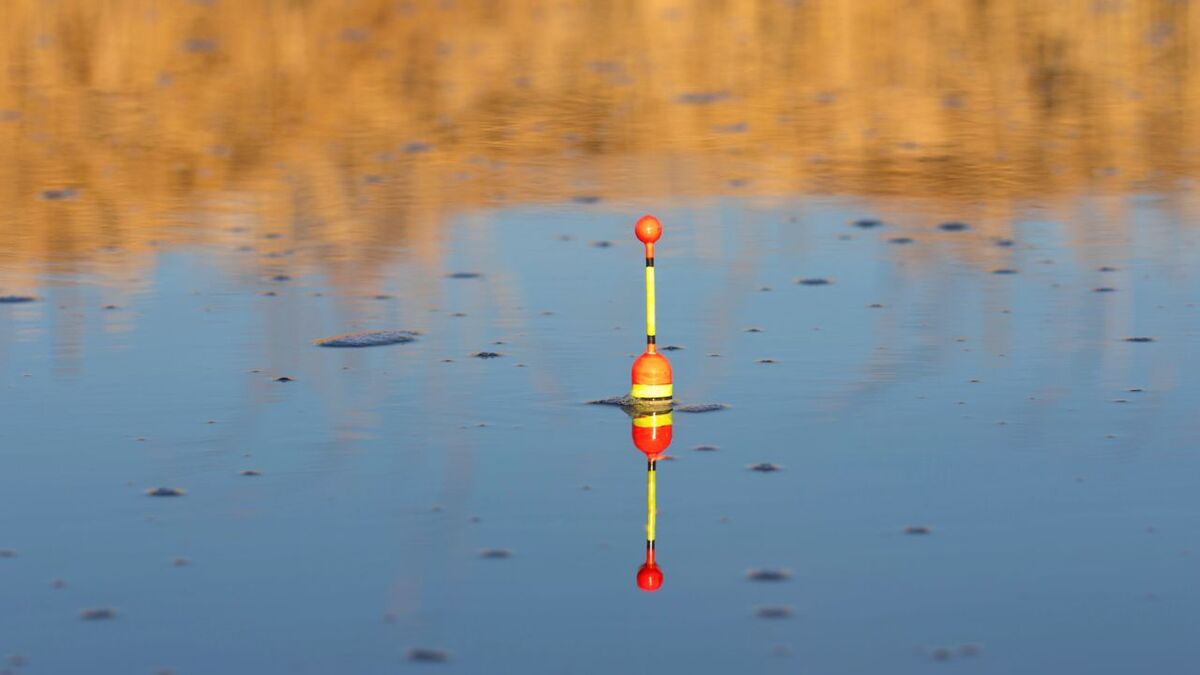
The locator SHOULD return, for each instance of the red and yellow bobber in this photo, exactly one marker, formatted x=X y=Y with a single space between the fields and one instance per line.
x=652 y=379
x=651 y=435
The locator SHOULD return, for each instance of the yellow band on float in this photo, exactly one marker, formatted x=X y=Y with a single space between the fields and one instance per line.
x=651 y=504
x=652 y=391
x=652 y=421
x=650 y=327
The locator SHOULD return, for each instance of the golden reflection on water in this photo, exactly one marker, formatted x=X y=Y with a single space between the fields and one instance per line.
x=358 y=125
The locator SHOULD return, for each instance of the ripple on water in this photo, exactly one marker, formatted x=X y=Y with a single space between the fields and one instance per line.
x=701 y=407
x=370 y=338
x=16 y=299
x=954 y=226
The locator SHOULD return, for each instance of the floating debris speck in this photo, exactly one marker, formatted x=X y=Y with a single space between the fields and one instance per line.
x=98 y=614
x=765 y=467
x=814 y=281
x=768 y=574
x=487 y=355
x=918 y=529
x=164 y=492
x=953 y=227
x=428 y=655
x=464 y=275
x=495 y=553
x=779 y=612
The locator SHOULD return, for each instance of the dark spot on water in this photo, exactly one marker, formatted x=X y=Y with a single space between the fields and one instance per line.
x=953 y=227
x=705 y=448
x=814 y=281
x=768 y=575
x=59 y=195
x=58 y=584
x=7 y=553
x=181 y=562
x=585 y=199
x=940 y=654
x=16 y=299
x=738 y=128
x=1139 y=339
x=1104 y=289
x=1106 y=268
x=464 y=275
x=281 y=277
x=766 y=361
x=111 y=307
x=779 y=612
x=703 y=97
x=765 y=289
x=875 y=305
x=867 y=223
x=601 y=244
x=547 y=313
x=200 y=45
x=487 y=355
x=164 y=492
x=1135 y=390
x=269 y=294
x=672 y=348
x=250 y=472
x=285 y=378
x=970 y=649
x=1005 y=243
x=900 y=240
x=765 y=467
x=373 y=179
x=739 y=182
x=428 y=655
x=370 y=338
x=1120 y=400
x=17 y=660
x=495 y=553
x=459 y=314
x=918 y=529
x=98 y=614
x=754 y=330
x=1004 y=270
x=701 y=407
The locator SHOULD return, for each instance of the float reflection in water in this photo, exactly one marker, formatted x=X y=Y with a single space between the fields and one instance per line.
x=651 y=435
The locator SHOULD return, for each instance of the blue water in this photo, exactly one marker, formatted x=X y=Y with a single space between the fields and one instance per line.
x=1063 y=524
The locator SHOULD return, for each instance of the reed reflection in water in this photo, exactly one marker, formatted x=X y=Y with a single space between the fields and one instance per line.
x=357 y=128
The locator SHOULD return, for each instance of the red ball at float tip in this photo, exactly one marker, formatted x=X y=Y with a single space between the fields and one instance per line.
x=648 y=229
x=649 y=577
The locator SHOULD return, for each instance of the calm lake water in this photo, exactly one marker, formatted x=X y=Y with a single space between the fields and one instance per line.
x=977 y=470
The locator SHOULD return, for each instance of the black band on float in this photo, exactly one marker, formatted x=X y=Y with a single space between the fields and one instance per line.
x=649 y=262
x=650 y=339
